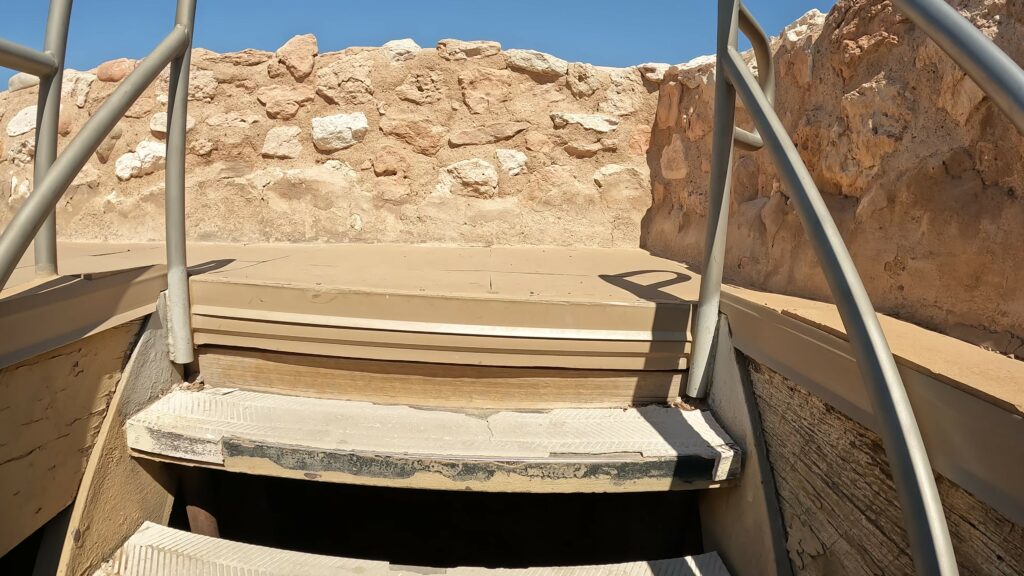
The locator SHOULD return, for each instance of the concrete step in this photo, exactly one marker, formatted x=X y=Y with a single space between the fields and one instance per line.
x=651 y=448
x=433 y=384
x=531 y=307
x=156 y=550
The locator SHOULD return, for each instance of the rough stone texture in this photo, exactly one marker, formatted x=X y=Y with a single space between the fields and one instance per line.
x=473 y=177
x=461 y=50
x=512 y=161
x=23 y=122
x=346 y=80
x=838 y=502
x=283 y=102
x=653 y=71
x=489 y=134
x=594 y=122
x=147 y=158
x=115 y=70
x=485 y=89
x=202 y=86
x=422 y=88
x=534 y=62
x=922 y=174
x=22 y=80
x=108 y=144
x=282 y=142
x=75 y=86
x=421 y=135
x=583 y=80
x=297 y=56
x=401 y=50
x=339 y=131
x=158 y=124
x=249 y=182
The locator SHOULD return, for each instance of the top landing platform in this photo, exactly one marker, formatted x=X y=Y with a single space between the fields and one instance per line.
x=619 y=309
x=493 y=306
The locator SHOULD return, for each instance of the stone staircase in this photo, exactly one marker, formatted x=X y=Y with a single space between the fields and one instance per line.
x=156 y=549
x=560 y=374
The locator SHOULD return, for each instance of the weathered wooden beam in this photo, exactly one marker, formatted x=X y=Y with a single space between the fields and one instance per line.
x=118 y=493
x=51 y=410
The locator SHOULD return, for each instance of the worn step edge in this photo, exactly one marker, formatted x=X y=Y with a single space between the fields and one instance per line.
x=651 y=448
x=436 y=385
x=443 y=348
x=156 y=550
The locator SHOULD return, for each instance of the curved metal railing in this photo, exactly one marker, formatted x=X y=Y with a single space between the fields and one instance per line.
x=53 y=174
x=1002 y=80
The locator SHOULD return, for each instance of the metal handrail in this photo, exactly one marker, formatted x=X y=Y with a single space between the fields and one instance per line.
x=54 y=175
x=48 y=117
x=930 y=543
x=998 y=76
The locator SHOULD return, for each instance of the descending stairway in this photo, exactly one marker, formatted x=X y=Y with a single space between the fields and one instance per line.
x=159 y=550
x=527 y=372
x=561 y=450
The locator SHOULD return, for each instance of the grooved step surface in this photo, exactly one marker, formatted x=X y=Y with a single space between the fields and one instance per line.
x=159 y=551
x=561 y=450
x=483 y=306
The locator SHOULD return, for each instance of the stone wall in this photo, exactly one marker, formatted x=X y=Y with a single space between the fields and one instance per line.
x=838 y=502
x=464 y=144
x=923 y=174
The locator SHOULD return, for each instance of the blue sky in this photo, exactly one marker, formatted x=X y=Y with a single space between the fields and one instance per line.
x=603 y=32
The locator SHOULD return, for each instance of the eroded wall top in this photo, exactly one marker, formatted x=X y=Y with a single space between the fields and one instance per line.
x=465 y=143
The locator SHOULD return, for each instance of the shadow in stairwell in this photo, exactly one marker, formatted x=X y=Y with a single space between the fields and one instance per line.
x=669 y=334
x=210 y=266
x=669 y=325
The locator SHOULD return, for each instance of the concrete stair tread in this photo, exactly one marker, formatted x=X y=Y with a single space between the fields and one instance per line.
x=516 y=307
x=561 y=450
x=156 y=550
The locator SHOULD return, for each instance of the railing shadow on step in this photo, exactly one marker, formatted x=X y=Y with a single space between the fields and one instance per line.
x=1001 y=79
x=670 y=314
x=53 y=174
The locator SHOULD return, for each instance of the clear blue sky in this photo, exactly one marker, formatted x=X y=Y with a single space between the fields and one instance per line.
x=603 y=32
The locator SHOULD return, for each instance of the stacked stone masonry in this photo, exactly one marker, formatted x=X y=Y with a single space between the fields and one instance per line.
x=457 y=144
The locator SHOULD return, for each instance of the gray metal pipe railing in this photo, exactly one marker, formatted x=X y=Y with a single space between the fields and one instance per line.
x=912 y=473
x=30 y=217
x=706 y=319
x=998 y=76
x=47 y=118
x=904 y=447
x=178 y=305
x=53 y=174
x=24 y=59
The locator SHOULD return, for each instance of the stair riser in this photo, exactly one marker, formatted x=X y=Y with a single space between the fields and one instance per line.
x=439 y=385
x=445 y=474
x=654 y=448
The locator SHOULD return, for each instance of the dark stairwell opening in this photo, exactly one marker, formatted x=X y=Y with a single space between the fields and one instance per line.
x=447 y=528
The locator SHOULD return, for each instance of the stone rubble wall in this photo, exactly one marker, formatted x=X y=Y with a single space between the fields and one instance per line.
x=462 y=144
x=923 y=174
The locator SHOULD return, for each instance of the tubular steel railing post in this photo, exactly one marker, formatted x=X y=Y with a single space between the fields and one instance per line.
x=923 y=515
x=24 y=59
x=47 y=119
x=178 y=304
x=16 y=238
x=727 y=136
x=912 y=473
x=705 y=321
